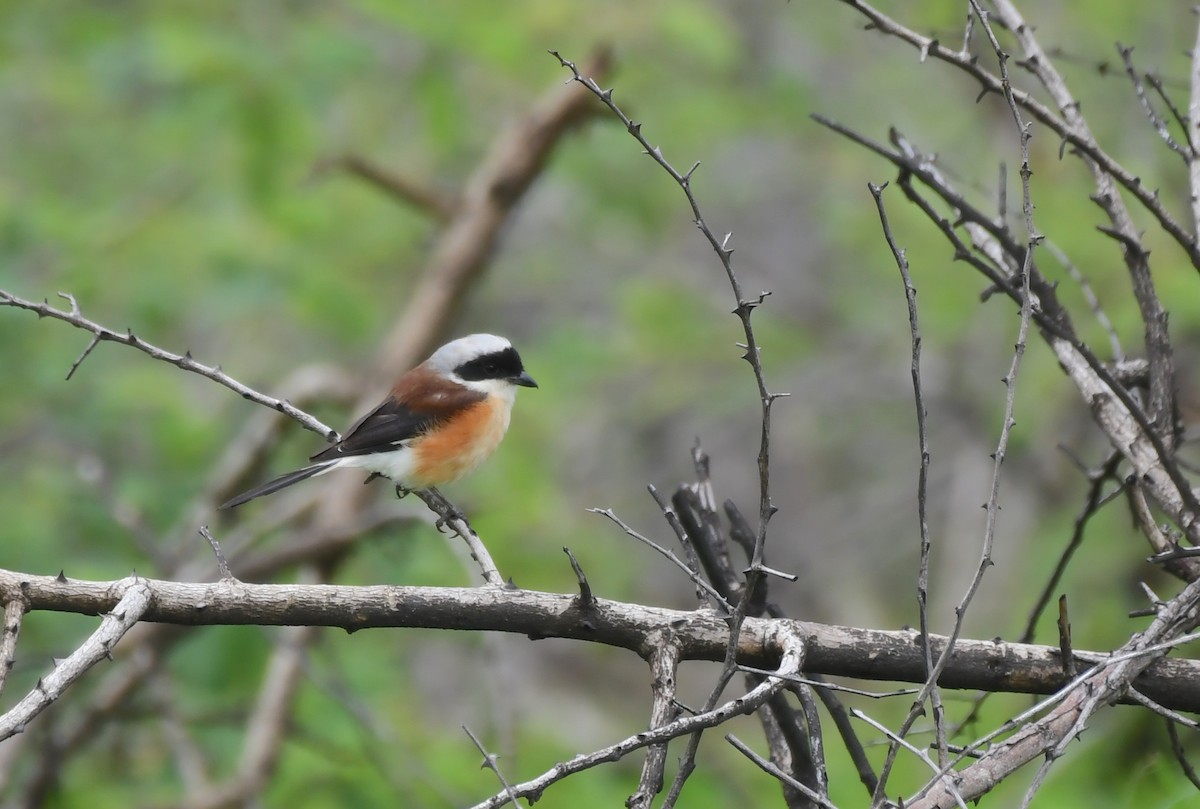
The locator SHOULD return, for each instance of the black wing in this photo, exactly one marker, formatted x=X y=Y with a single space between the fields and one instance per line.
x=381 y=430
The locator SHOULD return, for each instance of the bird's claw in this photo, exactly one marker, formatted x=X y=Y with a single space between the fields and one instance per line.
x=453 y=516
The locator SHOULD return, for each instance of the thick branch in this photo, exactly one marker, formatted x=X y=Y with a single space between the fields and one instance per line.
x=702 y=635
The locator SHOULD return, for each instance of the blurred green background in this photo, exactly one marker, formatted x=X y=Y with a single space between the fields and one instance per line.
x=162 y=163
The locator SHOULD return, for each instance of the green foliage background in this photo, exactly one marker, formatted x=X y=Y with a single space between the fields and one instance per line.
x=162 y=163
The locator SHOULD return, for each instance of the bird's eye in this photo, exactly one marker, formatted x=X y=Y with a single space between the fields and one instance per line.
x=490 y=368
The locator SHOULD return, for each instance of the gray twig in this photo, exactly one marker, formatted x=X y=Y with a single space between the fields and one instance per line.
x=183 y=361
x=489 y=762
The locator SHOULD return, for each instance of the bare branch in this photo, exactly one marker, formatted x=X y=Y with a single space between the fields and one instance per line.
x=450 y=516
x=184 y=361
x=1076 y=703
x=744 y=308
x=914 y=326
x=1192 y=128
x=1161 y=407
x=1114 y=408
x=489 y=761
x=222 y=565
x=14 y=611
x=1083 y=143
x=784 y=778
x=134 y=600
x=665 y=552
x=833 y=650
x=395 y=185
x=1139 y=89
x=791 y=662
x=1177 y=750
x=664 y=661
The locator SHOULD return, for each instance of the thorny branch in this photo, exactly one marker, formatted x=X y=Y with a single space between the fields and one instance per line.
x=791 y=663
x=128 y=610
x=1149 y=445
x=914 y=325
x=183 y=361
x=744 y=309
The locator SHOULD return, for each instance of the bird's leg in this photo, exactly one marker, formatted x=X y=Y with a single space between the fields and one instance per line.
x=402 y=492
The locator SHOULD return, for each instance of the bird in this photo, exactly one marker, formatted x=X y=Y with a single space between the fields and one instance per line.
x=440 y=421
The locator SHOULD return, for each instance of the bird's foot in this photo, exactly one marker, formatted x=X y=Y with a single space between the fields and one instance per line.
x=402 y=492
x=453 y=515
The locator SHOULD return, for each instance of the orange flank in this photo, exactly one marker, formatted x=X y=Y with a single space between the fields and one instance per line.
x=457 y=447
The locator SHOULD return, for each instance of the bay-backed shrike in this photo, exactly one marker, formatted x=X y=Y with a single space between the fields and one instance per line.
x=440 y=421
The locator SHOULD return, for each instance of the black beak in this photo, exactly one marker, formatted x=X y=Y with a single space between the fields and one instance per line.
x=524 y=380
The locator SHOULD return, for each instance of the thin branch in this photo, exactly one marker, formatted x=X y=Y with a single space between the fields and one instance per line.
x=86 y=352
x=783 y=777
x=992 y=505
x=1114 y=408
x=399 y=187
x=791 y=663
x=813 y=753
x=1177 y=750
x=183 y=361
x=1177 y=114
x=844 y=689
x=898 y=741
x=451 y=517
x=926 y=544
x=1092 y=502
x=489 y=762
x=1194 y=126
x=1083 y=143
x=666 y=553
x=1089 y=295
x=1139 y=89
x=1172 y=716
x=684 y=538
x=222 y=564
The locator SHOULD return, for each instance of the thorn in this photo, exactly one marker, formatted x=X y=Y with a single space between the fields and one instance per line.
x=61 y=578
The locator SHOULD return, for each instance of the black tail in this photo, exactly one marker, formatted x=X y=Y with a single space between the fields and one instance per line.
x=281 y=482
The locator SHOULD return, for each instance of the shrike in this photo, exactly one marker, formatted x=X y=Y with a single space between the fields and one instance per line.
x=440 y=421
